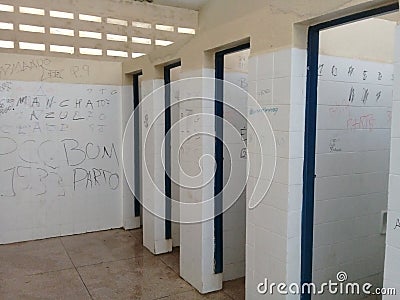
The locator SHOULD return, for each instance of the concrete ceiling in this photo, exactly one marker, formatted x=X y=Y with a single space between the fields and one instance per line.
x=190 y=4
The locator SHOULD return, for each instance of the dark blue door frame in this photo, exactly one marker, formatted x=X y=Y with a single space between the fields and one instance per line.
x=136 y=129
x=167 y=144
x=219 y=155
x=307 y=230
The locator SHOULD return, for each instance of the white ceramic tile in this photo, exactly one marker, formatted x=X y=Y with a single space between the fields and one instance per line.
x=282 y=63
x=394 y=190
x=281 y=90
x=253 y=66
x=298 y=90
x=299 y=62
x=396 y=81
x=265 y=67
x=296 y=149
x=391 y=272
x=395 y=120
x=297 y=118
x=264 y=92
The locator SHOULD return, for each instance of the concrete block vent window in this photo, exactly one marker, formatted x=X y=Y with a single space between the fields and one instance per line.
x=200 y=149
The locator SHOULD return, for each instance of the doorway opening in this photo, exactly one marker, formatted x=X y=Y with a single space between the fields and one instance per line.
x=347 y=148
x=137 y=208
x=231 y=66
x=172 y=191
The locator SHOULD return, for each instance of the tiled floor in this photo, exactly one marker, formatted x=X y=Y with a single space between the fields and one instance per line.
x=102 y=265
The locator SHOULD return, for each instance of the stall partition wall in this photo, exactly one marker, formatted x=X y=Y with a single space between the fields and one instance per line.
x=346 y=163
x=229 y=227
x=171 y=74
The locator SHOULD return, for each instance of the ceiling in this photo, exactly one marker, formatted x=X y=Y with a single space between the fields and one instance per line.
x=190 y=4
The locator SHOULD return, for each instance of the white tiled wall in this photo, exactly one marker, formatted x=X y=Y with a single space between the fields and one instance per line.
x=277 y=82
x=392 y=274
x=352 y=165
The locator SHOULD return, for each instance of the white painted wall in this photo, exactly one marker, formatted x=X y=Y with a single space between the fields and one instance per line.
x=61 y=165
x=362 y=40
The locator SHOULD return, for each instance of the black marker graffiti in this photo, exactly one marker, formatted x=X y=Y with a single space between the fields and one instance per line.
x=95 y=177
x=76 y=155
x=80 y=71
x=352 y=94
x=397 y=224
x=320 y=69
x=365 y=75
x=334 y=71
x=50 y=74
x=378 y=95
x=365 y=95
x=333 y=146
x=243 y=153
x=350 y=71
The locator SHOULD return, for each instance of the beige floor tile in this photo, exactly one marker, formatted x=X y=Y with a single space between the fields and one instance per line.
x=114 y=265
x=137 y=234
x=103 y=246
x=139 y=278
x=235 y=288
x=171 y=259
x=32 y=258
x=194 y=295
x=64 y=284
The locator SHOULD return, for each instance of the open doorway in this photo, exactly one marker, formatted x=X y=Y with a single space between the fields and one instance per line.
x=137 y=207
x=231 y=65
x=347 y=150
x=172 y=191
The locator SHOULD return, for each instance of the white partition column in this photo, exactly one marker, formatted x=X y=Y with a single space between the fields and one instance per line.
x=153 y=197
x=197 y=239
x=277 y=82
